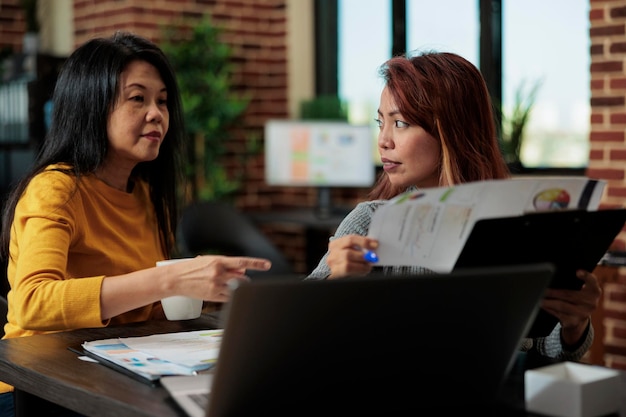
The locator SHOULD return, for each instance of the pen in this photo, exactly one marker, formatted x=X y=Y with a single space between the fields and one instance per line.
x=369 y=256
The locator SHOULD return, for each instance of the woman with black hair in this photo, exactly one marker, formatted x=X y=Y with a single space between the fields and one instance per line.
x=83 y=230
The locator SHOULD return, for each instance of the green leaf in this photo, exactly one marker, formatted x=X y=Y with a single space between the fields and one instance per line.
x=202 y=63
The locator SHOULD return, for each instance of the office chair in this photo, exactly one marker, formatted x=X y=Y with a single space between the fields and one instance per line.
x=215 y=227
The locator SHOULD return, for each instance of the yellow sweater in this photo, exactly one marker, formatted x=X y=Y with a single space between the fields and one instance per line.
x=63 y=244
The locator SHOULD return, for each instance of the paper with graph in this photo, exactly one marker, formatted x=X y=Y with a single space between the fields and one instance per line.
x=429 y=227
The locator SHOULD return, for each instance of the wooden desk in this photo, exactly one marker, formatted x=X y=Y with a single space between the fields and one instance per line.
x=43 y=366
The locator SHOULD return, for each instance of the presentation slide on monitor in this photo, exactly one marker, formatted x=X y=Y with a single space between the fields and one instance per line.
x=309 y=153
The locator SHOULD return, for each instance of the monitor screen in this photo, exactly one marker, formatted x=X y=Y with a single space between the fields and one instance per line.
x=319 y=153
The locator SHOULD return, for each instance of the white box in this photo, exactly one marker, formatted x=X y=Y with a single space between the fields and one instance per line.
x=571 y=389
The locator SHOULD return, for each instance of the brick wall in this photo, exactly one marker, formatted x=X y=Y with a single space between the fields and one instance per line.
x=12 y=25
x=608 y=150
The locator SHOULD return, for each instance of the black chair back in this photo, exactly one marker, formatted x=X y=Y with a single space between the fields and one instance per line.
x=216 y=227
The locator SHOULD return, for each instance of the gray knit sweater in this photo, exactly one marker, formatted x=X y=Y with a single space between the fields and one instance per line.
x=358 y=221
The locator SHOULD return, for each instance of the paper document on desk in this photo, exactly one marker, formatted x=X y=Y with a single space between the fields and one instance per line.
x=151 y=357
x=196 y=349
x=429 y=227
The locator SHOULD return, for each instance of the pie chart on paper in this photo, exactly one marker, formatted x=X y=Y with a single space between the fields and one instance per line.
x=551 y=199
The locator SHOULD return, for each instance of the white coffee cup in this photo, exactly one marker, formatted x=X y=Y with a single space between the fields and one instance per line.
x=180 y=307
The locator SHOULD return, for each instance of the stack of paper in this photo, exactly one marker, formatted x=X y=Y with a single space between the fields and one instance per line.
x=151 y=357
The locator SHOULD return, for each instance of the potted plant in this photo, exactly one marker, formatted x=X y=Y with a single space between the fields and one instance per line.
x=514 y=124
x=324 y=107
x=203 y=69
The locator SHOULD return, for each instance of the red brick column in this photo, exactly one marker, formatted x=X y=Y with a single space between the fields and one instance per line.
x=608 y=156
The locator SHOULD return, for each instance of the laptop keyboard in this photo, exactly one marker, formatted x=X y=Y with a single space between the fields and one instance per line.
x=201 y=399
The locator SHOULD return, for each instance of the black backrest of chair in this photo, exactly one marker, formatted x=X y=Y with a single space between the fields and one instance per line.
x=220 y=228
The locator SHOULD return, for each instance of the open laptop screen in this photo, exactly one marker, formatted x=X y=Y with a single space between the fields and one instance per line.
x=375 y=345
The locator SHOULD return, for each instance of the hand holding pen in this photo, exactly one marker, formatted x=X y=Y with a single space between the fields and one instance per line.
x=351 y=255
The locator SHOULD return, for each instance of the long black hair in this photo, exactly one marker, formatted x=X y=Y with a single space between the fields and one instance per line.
x=84 y=95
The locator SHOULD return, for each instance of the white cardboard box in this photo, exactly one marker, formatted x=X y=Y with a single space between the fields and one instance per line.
x=571 y=389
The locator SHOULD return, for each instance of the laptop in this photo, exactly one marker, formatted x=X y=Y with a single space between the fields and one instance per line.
x=375 y=345
x=569 y=239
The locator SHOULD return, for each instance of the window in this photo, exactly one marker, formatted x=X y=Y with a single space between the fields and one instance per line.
x=547 y=43
x=364 y=44
x=542 y=43
x=444 y=25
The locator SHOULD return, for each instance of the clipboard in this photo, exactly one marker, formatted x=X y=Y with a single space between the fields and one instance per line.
x=568 y=239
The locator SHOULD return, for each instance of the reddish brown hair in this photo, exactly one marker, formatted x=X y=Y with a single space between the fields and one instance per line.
x=447 y=96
